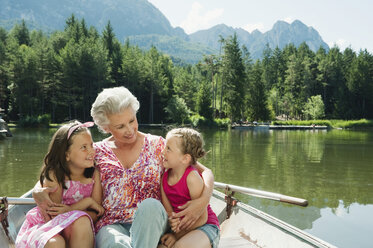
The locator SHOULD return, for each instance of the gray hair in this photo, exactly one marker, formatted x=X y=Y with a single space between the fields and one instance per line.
x=112 y=101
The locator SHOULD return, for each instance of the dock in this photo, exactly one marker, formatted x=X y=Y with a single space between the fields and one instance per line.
x=278 y=127
x=294 y=127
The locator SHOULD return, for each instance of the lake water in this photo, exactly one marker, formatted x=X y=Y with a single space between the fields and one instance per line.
x=333 y=170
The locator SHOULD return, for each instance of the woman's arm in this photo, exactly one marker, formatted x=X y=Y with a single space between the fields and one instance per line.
x=42 y=197
x=194 y=208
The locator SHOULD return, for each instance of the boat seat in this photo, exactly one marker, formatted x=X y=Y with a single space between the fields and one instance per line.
x=236 y=242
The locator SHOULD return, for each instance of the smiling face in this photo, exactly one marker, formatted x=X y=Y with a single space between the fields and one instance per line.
x=81 y=152
x=123 y=126
x=173 y=156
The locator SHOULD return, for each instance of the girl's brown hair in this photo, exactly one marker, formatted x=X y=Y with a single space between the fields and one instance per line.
x=55 y=159
x=191 y=142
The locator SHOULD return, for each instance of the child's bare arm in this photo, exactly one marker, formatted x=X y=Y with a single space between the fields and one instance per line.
x=190 y=210
x=96 y=195
x=195 y=186
x=84 y=205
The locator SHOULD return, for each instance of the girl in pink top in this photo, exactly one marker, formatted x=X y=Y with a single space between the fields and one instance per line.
x=182 y=183
x=68 y=167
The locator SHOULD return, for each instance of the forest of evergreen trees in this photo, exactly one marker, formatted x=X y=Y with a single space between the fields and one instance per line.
x=59 y=76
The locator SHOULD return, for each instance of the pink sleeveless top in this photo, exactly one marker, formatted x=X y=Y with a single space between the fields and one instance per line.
x=178 y=195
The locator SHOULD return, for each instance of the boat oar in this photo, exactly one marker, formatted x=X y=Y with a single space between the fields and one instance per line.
x=18 y=201
x=244 y=190
x=263 y=194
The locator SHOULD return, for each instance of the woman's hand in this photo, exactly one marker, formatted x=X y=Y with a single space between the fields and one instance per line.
x=42 y=199
x=192 y=210
x=168 y=240
x=58 y=209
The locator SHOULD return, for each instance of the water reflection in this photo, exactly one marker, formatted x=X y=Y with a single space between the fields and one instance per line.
x=333 y=170
x=324 y=167
x=347 y=226
x=21 y=158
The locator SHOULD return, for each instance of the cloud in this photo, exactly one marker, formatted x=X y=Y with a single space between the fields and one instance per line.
x=196 y=20
x=341 y=43
x=252 y=26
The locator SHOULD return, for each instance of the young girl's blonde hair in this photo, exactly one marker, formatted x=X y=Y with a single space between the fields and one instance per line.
x=191 y=142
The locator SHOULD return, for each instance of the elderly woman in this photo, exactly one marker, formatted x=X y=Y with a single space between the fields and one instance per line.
x=130 y=165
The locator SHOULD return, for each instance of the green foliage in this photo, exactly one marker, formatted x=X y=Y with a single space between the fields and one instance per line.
x=304 y=123
x=197 y=120
x=200 y=121
x=181 y=50
x=257 y=102
x=314 y=108
x=60 y=74
x=204 y=101
x=177 y=110
x=35 y=121
x=362 y=123
x=222 y=122
x=233 y=78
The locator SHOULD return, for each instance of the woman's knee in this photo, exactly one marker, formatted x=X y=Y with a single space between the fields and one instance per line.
x=56 y=242
x=151 y=207
x=114 y=235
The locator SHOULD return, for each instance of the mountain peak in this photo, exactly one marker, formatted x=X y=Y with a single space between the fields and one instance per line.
x=128 y=17
x=297 y=22
x=280 y=25
x=142 y=19
x=256 y=32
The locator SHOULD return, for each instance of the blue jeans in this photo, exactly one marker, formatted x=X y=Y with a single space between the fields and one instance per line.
x=149 y=224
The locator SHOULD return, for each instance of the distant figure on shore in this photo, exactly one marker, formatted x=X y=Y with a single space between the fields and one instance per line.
x=4 y=127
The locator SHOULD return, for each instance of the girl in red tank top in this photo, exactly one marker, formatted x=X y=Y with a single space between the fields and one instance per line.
x=182 y=183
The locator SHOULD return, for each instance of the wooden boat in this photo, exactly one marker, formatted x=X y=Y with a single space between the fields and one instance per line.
x=241 y=224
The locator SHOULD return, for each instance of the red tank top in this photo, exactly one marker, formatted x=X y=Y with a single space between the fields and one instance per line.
x=178 y=195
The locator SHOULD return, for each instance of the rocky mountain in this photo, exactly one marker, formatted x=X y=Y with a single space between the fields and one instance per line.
x=128 y=17
x=145 y=25
x=281 y=34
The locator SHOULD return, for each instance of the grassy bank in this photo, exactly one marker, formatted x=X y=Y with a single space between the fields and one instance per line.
x=345 y=124
x=198 y=121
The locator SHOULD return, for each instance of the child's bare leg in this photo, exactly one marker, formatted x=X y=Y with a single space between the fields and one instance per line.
x=80 y=234
x=195 y=238
x=56 y=242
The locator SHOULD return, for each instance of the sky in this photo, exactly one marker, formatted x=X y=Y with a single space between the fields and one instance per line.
x=345 y=23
